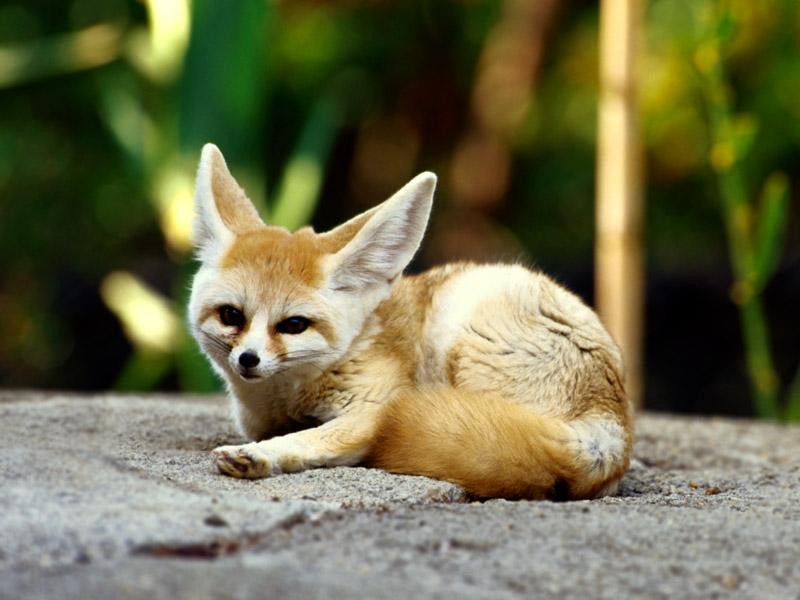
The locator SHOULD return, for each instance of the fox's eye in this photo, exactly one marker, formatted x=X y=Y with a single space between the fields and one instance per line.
x=231 y=316
x=293 y=325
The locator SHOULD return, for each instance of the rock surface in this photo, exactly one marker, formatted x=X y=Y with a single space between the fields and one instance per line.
x=115 y=497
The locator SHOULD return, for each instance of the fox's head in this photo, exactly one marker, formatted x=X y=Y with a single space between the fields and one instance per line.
x=266 y=301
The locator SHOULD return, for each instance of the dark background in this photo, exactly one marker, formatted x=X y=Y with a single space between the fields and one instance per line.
x=324 y=109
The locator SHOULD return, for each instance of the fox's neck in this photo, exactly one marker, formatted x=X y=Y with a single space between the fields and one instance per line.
x=265 y=407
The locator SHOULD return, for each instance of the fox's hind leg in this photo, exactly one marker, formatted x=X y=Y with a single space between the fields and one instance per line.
x=339 y=442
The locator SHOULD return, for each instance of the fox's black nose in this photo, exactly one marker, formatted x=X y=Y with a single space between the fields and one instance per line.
x=248 y=359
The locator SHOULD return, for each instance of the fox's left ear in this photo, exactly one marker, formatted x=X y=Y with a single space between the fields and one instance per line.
x=222 y=209
x=387 y=237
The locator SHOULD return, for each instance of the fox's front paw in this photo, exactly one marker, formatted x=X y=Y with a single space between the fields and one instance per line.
x=248 y=461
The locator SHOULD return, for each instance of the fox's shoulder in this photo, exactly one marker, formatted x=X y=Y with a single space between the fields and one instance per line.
x=449 y=297
x=425 y=284
x=470 y=284
x=457 y=283
x=403 y=314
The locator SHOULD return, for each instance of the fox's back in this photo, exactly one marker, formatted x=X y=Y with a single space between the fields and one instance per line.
x=486 y=328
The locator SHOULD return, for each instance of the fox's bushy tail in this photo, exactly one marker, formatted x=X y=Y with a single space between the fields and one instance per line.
x=496 y=448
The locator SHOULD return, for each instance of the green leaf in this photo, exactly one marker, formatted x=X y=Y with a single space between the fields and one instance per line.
x=224 y=85
x=143 y=371
x=770 y=227
x=194 y=372
x=792 y=412
x=725 y=27
x=67 y=53
x=299 y=187
x=745 y=128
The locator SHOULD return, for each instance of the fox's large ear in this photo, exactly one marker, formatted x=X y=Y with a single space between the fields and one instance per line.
x=384 y=239
x=222 y=209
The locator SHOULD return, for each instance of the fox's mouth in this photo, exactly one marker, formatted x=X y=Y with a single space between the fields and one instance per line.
x=248 y=375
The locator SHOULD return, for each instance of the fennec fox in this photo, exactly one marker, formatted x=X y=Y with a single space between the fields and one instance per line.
x=489 y=376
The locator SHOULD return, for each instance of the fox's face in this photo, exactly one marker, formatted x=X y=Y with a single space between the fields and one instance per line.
x=264 y=308
x=267 y=303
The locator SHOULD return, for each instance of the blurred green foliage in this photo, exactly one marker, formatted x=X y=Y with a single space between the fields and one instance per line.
x=755 y=230
x=322 y=109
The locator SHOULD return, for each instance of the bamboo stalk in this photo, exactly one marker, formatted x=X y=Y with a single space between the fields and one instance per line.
x=619 y=262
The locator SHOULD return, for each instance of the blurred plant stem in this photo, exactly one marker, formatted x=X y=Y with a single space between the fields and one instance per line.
x=793 y=403
x=298 y=190
x=755 y=230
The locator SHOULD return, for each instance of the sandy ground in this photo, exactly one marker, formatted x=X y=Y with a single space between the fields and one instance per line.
x=115 y=497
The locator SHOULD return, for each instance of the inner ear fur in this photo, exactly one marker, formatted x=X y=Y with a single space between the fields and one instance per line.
x=336 y=239
x=377 y=245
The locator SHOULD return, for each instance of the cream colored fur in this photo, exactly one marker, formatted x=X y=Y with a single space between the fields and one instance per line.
x=491 y=376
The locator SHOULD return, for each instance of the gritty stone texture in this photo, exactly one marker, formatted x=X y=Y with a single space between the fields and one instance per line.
x=115 y=497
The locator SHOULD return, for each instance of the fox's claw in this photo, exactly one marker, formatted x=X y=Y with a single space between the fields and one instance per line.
x=248 y=461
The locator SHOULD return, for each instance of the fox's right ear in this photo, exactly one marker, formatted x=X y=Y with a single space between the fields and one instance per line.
x=384 y=239
x=222 y=209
